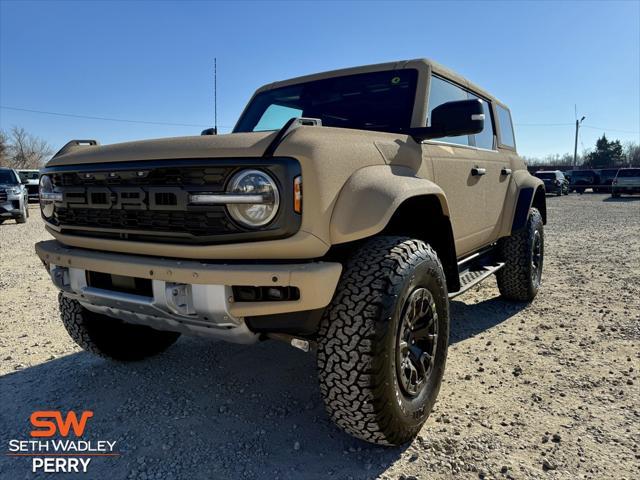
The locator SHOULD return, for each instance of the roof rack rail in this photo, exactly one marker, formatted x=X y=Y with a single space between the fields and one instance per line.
x=73 y=144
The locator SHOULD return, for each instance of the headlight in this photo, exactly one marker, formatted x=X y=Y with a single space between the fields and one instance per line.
x=13 y=190
x=47 y=196
x=254 y=183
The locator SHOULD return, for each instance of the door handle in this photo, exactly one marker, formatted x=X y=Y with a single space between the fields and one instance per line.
x=505 y=171
x=477 y=171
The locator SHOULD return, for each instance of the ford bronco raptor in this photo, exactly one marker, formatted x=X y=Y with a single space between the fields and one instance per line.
x=341 y=215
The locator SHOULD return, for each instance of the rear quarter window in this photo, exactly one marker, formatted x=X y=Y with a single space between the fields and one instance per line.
x=505 y=127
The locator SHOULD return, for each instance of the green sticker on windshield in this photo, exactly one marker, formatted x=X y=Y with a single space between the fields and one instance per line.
x=395 y=80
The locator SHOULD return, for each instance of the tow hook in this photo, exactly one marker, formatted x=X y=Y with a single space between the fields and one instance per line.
x=301 y=344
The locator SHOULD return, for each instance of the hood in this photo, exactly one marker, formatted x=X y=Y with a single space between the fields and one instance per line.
x=221 y=146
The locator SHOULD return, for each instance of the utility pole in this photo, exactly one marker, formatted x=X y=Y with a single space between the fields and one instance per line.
x=575 y=147
x=215 y=95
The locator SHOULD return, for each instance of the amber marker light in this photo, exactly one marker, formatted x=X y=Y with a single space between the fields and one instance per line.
x=297 y=194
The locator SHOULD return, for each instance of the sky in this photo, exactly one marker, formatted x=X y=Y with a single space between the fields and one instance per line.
x=153 y=61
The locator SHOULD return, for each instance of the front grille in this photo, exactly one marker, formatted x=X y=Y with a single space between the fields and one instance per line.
x=149 y=200
x=32 y=189
x=192 y=223
x=211 y=177
x=3 y=196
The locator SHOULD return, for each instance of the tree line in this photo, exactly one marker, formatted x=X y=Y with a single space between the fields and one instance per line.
x=21 y=150
x=606 y=154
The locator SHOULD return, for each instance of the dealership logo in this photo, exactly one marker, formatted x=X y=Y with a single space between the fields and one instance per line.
x=45 y=421
x=57 y=445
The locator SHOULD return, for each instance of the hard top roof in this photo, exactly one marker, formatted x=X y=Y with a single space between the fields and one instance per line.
x=419 y=63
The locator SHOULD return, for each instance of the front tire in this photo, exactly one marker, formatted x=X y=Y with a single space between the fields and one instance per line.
x=383 y=341
x=523 y=254
x=109 y=337
x=22 y=218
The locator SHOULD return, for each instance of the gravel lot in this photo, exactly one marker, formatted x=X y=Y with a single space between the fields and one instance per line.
x=549 y=390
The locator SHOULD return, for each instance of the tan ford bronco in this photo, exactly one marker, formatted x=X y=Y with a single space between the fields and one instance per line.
x=341 y=215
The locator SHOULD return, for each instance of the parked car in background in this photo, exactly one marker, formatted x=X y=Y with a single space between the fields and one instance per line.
x=583 y=179
x=33 y=180
x=554 y=181
x=627 y=181
x=606 y=179
x=13 y=196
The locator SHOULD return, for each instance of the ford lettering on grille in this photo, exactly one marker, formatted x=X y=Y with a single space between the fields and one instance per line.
x=126 y=198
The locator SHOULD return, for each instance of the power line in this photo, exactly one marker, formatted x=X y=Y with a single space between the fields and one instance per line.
x=92 y=117
x=611 y=129
x=571 y=124
x=125 y=120
x=543 y=124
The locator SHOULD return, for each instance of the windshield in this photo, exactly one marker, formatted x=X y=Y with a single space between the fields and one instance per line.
x=30 y=175
x=631 y=172
x=546 y=175
x=7 y=176
x=381 y=101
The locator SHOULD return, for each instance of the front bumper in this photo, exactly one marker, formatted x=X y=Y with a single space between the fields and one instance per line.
x=11 y=207
x=188 y=296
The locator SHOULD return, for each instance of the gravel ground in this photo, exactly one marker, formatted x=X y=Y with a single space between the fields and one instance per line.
x=548 y=390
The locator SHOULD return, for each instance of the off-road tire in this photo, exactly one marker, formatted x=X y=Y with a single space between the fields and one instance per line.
x=111 y=338
x=358 y=335
x=516 y=280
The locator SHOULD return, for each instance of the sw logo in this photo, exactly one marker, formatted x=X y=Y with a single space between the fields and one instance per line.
x=43 y=419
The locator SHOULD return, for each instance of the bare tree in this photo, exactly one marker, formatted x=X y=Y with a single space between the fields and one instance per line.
x=26 y=150
x=4 y=149
x=632 y=154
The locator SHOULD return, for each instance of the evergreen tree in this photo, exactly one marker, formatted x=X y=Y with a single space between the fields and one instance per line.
x=606 y=154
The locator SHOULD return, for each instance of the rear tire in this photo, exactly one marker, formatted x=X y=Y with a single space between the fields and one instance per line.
x=523 y=254
x=109 y=337
x=383 y=341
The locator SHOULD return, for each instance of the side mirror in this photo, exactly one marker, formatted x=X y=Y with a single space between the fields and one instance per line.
x=209 y=131
x=462 y=117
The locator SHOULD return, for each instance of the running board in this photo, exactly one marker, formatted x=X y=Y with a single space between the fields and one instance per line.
x=470 y=278
x=475 y=268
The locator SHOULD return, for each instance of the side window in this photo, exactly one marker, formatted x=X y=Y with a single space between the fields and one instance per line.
x=506 y=129
x=441 y=92
x=275 y=117
x=484 y=139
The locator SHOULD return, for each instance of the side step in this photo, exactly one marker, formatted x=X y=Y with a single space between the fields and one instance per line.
x=477 y=267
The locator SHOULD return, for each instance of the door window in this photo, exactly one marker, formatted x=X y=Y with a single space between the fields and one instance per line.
x=484 y=139
x=441 y=92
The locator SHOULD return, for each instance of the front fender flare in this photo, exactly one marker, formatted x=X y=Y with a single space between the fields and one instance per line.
x=370 y=197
